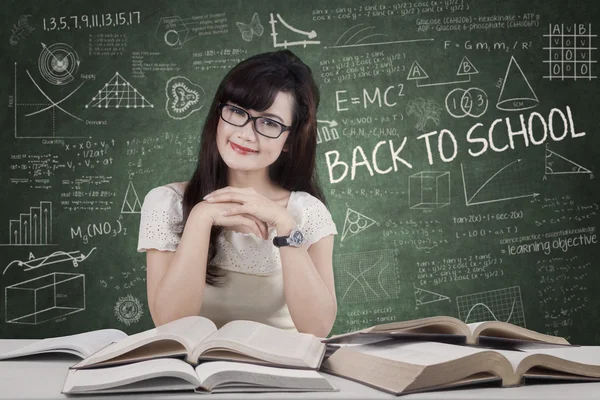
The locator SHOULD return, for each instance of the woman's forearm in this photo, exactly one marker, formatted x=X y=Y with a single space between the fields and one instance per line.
x=180 y=292
x=312 y=307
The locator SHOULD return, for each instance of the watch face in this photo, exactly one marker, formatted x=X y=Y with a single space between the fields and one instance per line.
x=296 y=238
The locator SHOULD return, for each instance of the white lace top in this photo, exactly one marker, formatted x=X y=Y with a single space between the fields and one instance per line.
x=253 y=287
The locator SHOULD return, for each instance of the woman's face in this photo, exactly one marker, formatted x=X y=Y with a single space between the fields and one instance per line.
x=265 y=150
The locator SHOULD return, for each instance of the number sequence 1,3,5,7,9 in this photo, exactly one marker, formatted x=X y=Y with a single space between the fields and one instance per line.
x=92 y=21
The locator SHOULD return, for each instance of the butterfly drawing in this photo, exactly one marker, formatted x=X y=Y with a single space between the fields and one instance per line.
x=253 y=28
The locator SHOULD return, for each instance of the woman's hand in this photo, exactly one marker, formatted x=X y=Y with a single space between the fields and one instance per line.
x=249 y=202
x=212 y=212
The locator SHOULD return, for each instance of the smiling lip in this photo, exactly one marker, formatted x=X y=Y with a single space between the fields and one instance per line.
x=241 y=149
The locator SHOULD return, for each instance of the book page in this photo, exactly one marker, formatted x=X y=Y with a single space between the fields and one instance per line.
x=191 y=330
x=186 y=331
x=515 y=357
x=418 y=353
x=261 y=338
x=101 y=378
x=233 y=374
x=82 y=344
x=207 y=369
x=589 y=355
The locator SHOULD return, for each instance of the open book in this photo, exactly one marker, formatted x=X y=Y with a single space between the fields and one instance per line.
x=197 y=339
x=451 y=330
x=81 y=345
x=400 y=367
x=167 y=374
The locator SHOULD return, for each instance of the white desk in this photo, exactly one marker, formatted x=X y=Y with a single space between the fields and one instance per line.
x=44 y=378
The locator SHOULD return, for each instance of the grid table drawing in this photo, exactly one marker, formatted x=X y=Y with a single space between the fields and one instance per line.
x=570 y=52
x=367 y=276
x=504 y=305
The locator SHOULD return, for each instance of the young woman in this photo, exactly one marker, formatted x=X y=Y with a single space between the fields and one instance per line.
x=249 y=235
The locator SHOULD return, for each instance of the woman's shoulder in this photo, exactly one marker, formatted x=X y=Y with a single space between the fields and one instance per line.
x=307 y=202
x=165 y=196
x=170 y=189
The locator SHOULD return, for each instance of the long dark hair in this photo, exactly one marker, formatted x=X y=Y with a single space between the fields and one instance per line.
x=253 y=84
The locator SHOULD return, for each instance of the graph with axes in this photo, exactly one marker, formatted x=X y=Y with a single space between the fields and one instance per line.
x=367 y=276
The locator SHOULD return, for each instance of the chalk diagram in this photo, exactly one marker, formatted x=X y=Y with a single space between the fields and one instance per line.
x=250 y=29
x=58 y=63
x=418 y=74
x=74 y=257
x=502 y=184
x=118 y=93
x=44 y=298
x=358 y=33
x=355 y=223
x=327 y=131
x=424 y=110
x=495 y=305
x=423 y=296
x=310 y=35
x=555 y=164
x=21 y=30
x=131 y=202
x=176 y=32
x=516 y=93
x=472 y=102
x=570 y=52
x=33 y=228
x=429 y=190
x=183 y=97
x=367 y=276
x=29 y=107
x=128 y=310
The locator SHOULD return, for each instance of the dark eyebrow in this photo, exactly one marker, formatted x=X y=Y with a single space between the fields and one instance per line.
x=272 y=116
x=263 y=114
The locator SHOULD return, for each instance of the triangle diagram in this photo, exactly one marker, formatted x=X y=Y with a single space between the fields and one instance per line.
x=466 y=67
x=557 y=164
x=516 y=93
x=118 y=93
x=416 y=72
x=131 y=202
x=423 y=296
x=355 y=223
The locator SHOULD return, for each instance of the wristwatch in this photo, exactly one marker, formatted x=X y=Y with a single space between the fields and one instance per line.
x=295 y=239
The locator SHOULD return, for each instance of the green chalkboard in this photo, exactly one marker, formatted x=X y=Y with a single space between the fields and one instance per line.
x=457 y=150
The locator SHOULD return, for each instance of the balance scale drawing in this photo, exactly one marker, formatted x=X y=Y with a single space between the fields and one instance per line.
x=118 y=93
x=417 y=73
x=355 y=39
x=285 y=44
x=507 y=174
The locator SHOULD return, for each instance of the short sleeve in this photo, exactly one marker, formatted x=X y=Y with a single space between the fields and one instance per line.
x=161 y=220
x=316 y=220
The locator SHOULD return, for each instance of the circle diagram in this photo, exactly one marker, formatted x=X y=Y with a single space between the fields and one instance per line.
x=58 y=63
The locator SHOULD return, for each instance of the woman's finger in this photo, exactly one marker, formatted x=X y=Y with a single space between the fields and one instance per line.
x=264 y=228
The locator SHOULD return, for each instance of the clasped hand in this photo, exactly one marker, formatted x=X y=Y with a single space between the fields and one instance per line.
x=232 y=206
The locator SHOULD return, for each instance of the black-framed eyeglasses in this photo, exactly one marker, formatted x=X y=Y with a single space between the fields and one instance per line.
x=239 y=117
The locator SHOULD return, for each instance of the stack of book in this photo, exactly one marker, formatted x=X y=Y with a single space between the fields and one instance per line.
x=443 y=352
x=190 y=354
x=243 y=356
